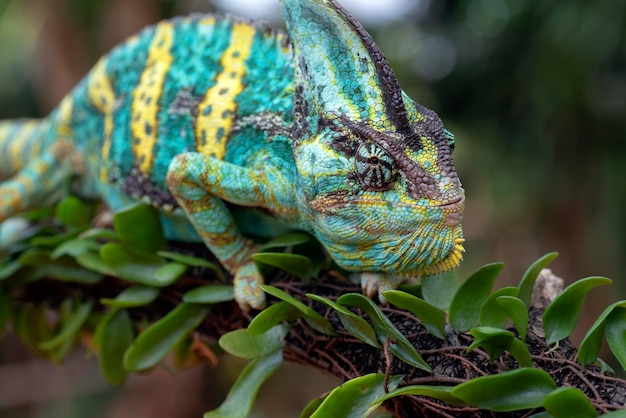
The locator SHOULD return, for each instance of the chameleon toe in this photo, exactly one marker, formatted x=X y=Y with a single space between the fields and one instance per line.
x=377 y=283
x=248 y=292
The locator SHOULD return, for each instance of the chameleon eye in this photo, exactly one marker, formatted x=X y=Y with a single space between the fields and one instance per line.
x=374 y=167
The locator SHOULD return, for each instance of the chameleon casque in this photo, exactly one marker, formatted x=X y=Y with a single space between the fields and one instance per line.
x=203 y=114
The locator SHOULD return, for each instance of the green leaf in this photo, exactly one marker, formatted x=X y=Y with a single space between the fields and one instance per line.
x=73 y=212
x=523 y=388
x=298 y=265
x=615 y=414
x=240 y=343
x=68 y=270
x=132 y=297
x=436 y=392
x=74 y=247
x=99 y=234
x=141 y=268
x=115 y=334
x=70 y=328
x=492 y=314
x=529 y=278
x=242 y=394
x=158 y=339
x=353 y=398
x=386 y=331
x=169 y=273
x=56 y=239
x=495 y=340
x=569 y=402
x=314 y=319
x=287 y=240
x=561 y=316
x=210 y=294
x=139 y=227
x=470 y=297
x=315 y=252
x=272 y=316
x=193 y=261
x=542 y=414
x=615 y=329
x=31 y=326
x=67 y=316
x=412 y=289
x=34 y=256
x=431 y=317
x=353 y=323
x=518 y=312
x=312 y=407
x=92 y=261
x=592 y=341
x=184 y=352
x=438 y=290
x=9 y=269
x=604 y=366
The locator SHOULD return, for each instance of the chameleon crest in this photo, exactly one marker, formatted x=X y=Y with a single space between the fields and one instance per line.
x=203 y=114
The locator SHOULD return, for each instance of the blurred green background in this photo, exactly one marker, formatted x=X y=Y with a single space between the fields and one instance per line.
x=534 y=91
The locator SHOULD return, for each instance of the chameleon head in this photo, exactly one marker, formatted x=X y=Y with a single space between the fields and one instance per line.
x=376 y=176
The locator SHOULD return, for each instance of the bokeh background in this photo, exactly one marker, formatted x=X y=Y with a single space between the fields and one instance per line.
x=534 y=91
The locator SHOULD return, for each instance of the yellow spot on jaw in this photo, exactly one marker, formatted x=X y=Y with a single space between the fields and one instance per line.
x=147 y=94
x=102 y=96
x=217 y=110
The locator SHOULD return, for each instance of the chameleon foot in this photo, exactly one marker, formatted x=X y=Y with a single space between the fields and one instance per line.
x=377 y=283
x=12 y=230
x=247 y=283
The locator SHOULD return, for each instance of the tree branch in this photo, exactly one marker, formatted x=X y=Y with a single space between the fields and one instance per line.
x=344 y=357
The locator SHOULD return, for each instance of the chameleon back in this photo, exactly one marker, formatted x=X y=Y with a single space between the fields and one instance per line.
x=187 y=84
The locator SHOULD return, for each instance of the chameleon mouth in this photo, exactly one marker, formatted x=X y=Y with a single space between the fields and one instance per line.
x=453 y=205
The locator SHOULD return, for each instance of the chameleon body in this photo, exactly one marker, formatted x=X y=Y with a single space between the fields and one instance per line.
x=203 y=114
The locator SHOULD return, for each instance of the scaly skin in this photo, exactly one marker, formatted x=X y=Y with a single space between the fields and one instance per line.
x=198 y=111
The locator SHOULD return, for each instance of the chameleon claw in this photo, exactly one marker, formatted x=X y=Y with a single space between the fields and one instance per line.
x=248 y=292
x=377 y=283
x=369 y=284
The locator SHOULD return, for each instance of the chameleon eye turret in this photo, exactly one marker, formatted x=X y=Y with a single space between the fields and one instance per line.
x=374 y=167
x=198 y=114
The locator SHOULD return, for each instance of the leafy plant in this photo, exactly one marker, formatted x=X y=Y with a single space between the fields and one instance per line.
x=137 y=263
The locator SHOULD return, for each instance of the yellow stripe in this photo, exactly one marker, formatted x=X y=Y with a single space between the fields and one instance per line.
x=18 y=143
x=147 y=94
x=102 y=96
x=217 y=110
x=5 y=129
x=64 y=116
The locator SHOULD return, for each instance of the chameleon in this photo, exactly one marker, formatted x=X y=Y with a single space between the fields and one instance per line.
x=219 y=121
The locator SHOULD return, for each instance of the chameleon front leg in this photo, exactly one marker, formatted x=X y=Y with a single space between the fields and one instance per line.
x=199 y=183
